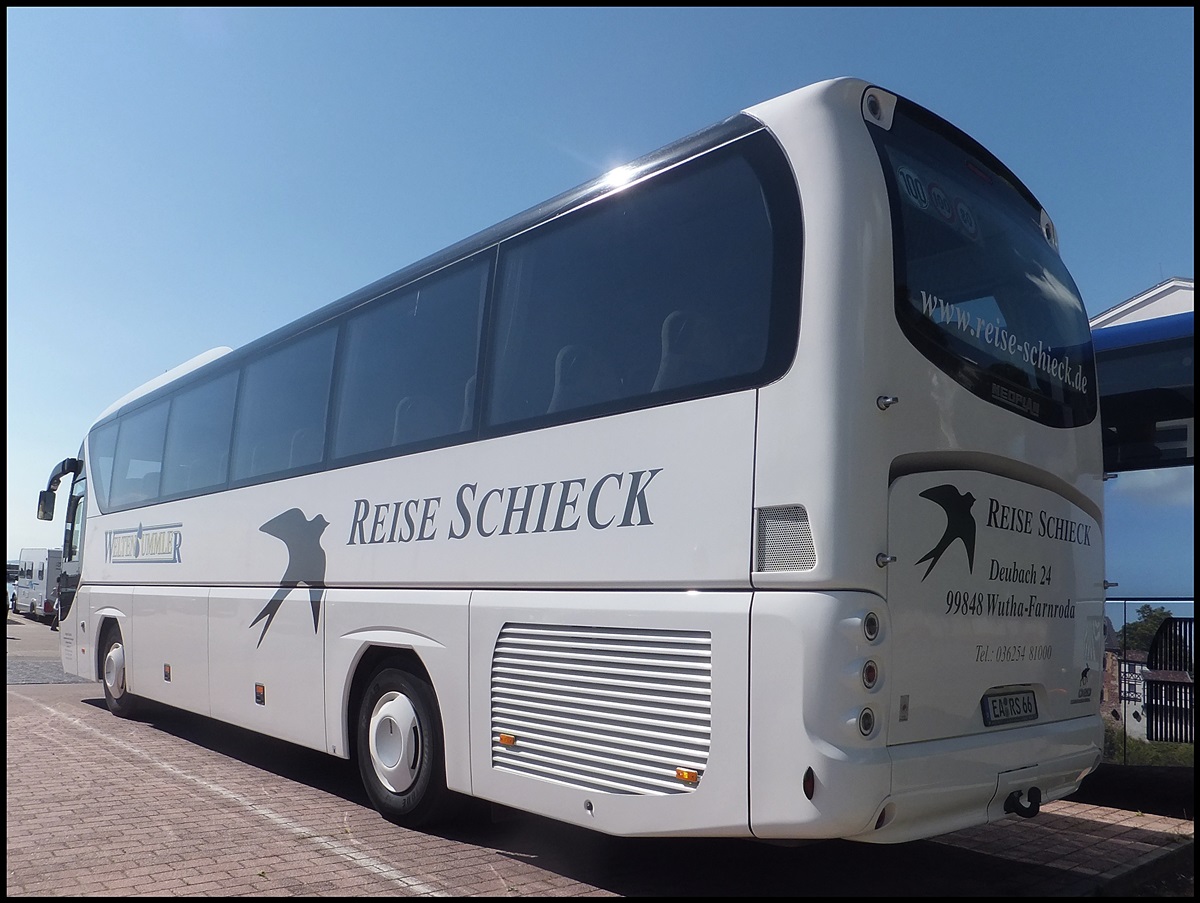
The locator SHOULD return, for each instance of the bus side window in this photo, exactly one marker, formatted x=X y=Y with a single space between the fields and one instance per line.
x=139 y=455
x=198 y=435
x=282 y=406
x=693 y=247
x=404 y=359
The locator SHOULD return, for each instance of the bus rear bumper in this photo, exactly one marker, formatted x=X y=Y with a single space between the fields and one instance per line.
x=942 y=786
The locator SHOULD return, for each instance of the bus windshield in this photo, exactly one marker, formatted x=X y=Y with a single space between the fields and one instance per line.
x=980 y=288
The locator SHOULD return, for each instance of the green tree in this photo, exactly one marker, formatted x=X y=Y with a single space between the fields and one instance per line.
x=1138 y=635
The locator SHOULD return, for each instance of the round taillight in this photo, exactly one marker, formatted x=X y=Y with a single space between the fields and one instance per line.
x=866 y=722
x=870 y=675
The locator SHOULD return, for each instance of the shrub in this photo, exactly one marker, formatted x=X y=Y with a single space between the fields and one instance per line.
x=1121 y=749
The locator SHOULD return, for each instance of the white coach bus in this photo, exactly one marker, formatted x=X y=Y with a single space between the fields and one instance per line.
x=751 y=490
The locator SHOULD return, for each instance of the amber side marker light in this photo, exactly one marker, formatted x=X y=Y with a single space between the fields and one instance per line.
x=507 y=740
x=687 y=774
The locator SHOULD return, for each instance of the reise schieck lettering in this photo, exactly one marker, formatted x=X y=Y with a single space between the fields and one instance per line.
x=612 y=500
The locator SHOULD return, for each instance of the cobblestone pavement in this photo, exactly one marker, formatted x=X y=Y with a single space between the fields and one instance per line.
x=174 y=804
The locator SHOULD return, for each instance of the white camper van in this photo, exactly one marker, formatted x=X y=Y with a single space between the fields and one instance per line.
x=36 y=581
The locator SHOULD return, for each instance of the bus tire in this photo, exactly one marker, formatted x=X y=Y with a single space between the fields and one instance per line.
x=401 y=751
x=120 y=702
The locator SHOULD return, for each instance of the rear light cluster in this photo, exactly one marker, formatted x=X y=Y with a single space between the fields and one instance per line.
x=872 y=628
x=870 y=675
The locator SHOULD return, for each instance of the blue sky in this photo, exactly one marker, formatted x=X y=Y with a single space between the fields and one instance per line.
x=183 y=178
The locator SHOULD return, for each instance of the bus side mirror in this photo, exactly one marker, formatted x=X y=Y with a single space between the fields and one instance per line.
x=45 y=505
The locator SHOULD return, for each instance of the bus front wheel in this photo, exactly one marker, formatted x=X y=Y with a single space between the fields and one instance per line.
x=116 y=696
x=400 y=750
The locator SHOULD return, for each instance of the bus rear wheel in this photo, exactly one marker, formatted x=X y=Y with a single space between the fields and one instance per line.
x=120 y=702
x=401 y=752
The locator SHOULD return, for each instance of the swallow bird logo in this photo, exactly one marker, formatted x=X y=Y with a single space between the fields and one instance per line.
x=960 y=524
x=305 y=566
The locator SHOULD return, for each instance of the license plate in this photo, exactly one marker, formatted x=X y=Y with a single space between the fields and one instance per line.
x=1009 y=708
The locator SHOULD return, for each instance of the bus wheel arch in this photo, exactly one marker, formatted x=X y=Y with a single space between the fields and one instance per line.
x=398 y=739
x=111 y=667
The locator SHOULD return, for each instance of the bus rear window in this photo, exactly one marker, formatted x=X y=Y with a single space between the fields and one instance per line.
x=980 y=288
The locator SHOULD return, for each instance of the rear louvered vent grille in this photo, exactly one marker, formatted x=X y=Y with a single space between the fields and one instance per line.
x=605 y=709
x=784 y=540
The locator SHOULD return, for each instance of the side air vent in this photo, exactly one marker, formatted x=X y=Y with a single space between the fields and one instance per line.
x=606 y=709
x=784 y=541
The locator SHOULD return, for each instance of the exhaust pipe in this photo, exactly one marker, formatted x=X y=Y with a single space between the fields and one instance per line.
x=1026 y=810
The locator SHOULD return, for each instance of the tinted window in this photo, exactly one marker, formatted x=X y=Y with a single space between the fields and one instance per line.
x=102 y=444
x=684 y=285
x=660 y=291
x=137 y=463
x=407 y=366
x=282 y=409
x=198 y=435
x=980 y=288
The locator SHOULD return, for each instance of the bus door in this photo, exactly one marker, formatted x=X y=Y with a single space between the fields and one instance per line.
x=68 y=615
